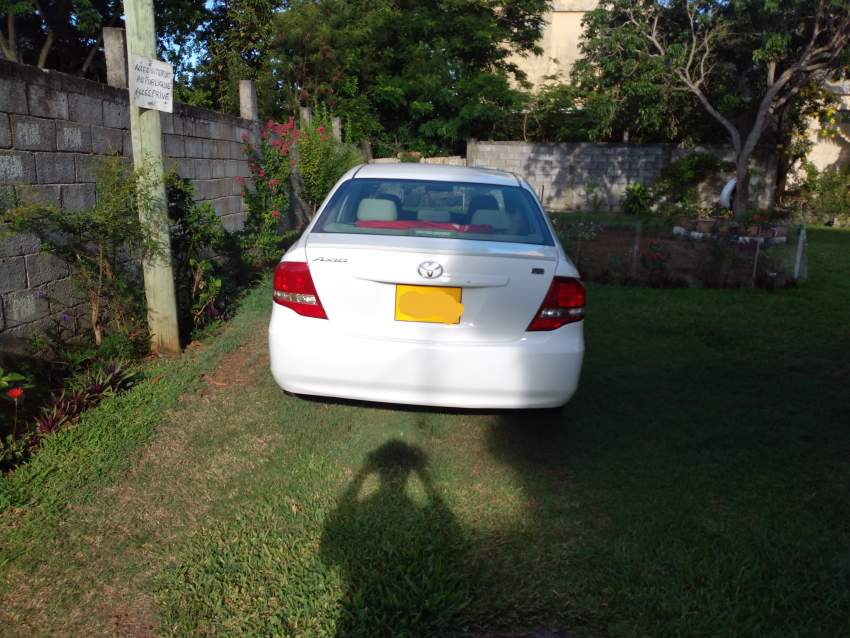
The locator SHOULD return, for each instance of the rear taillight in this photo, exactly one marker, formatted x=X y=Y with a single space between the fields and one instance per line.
x=293 y=288
x=564 y=303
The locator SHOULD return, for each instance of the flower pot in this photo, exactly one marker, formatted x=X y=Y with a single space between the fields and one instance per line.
x=706 y=226
x=685 y=222
x=723 y=227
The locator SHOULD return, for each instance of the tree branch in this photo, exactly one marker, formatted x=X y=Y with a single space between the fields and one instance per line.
x=684 y=73
x=90 y=56
x=10 y=45
x=48 y=41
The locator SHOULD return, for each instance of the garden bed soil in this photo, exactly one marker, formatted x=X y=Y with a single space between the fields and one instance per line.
x=621 y=255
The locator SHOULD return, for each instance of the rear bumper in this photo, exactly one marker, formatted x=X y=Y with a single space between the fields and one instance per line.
x=309 y=356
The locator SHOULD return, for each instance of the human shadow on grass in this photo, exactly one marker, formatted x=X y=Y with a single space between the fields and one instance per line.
x=400 y=550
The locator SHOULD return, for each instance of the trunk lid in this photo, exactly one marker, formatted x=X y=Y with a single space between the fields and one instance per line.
x=502 y=284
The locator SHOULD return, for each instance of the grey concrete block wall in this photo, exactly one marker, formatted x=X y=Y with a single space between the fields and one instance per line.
x=583 y=176
x=53 y=129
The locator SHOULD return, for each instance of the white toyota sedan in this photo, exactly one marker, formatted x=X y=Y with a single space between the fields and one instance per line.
x=429 y=285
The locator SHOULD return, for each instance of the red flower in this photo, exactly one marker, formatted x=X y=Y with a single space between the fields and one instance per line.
x=276 y=214
x=273 y=183
x=245 y=136
x=321 y=129
x=262 y=173
x=15 y=393
x=240 y=180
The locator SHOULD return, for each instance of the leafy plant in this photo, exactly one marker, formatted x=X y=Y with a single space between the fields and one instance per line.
x=197 y=242
x=14 y=450
x=638 y=200
x=321 y=160
x=105 y=243
x=655 y=260
x=292 y=170
x=85 y=392
x=8 y=379
x=822 y=196
x=594 y=197
x=677 y=187
x=559 y=112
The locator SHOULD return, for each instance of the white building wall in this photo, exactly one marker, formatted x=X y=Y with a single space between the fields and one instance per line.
x=560 y=42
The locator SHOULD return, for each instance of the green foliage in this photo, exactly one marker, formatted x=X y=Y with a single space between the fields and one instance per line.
x=321 y=160
x=197 y=243
x=105 y=243
x=682 y=175
x=638 y=199
x=14 y=450
x=822 y=196
x=65 y=34
x=422 y=76
x=231 y=46
x=635 y=93
x=595 y=199
x=10 y=379
x=627 y=95
x=82 y=393
x=676 y=189
x=268 y=195
x=292 y=170
x=558 y=112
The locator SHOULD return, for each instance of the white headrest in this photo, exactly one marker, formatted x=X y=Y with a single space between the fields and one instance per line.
x=433 y=215
x=498 y=219
x=382 y=210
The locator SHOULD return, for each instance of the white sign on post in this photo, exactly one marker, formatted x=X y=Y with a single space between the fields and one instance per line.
x=151 y=84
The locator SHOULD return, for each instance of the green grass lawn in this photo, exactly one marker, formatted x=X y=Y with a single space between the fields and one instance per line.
x=697 y=485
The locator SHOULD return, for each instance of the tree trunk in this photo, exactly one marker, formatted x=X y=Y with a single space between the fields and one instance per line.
x=742 y=188
x=10 y=43
x=299 y=209
x=94 y=300
x=45 y=50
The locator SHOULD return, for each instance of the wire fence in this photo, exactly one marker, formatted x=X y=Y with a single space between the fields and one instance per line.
x=666 y=253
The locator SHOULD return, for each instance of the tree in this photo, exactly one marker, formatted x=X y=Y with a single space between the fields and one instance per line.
x=66 y=34
x=232 y=44
x=770 y=51
x=627 y=96
x=416 y=75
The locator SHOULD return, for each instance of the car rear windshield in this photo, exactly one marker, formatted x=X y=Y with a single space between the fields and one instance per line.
x=420 y=208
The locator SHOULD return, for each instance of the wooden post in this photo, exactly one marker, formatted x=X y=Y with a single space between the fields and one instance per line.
x=636 y=249
x=147 y=155
x=248 y=100
x=799 y=268
x=306 y=116
x=115 y=50
x=336 y=124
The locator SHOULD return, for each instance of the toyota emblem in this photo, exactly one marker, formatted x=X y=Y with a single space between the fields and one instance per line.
x=430 y=269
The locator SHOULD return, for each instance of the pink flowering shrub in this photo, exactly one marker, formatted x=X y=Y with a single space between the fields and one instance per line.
x=284 y=149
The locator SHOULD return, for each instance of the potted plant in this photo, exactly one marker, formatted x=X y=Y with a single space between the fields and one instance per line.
x=706 y=225
x=685 y=222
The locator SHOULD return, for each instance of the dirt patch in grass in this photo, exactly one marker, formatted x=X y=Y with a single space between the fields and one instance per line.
x=238 y=368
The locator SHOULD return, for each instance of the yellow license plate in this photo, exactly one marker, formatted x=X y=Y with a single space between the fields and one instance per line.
x=428 y=304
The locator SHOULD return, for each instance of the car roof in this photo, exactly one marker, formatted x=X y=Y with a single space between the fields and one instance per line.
x=436 y=172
